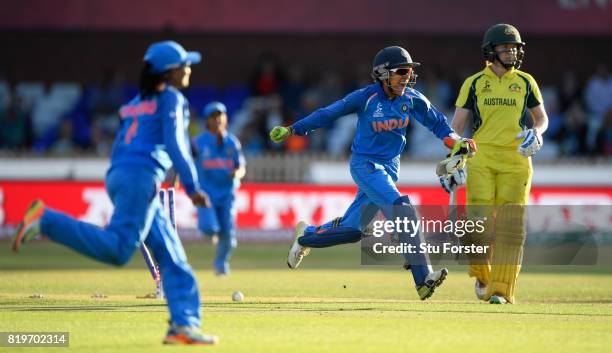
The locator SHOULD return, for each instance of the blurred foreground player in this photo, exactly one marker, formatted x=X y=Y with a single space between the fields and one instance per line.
x=508 y=122
x=384 y=110
x=152 y=138
x=221 y=164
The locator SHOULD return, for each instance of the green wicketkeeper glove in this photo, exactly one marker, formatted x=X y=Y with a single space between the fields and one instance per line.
x=464 y=146
x=461 y=149
x=280 y=133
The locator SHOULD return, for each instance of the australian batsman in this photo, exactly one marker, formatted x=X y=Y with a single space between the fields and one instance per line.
x=508 y=122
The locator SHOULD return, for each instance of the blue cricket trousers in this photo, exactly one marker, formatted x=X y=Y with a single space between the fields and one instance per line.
x=220 y=219
x=376 y=183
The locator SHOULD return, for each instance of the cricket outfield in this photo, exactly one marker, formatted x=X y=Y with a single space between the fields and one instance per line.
x=331 y=304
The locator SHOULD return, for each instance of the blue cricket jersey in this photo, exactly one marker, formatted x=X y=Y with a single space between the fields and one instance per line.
x=215 y=162
x=381 y=123
x=153 y=134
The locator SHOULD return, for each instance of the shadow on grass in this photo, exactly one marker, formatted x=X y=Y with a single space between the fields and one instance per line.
x=303 y=307
x=85 y=307
x=285 y=306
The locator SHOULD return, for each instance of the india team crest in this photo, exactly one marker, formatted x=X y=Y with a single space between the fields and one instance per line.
x=404 y=108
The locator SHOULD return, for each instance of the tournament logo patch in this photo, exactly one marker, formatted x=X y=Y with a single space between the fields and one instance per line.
x=487 y=87
x=404 y=108
x=378 y=113
x=514 y=87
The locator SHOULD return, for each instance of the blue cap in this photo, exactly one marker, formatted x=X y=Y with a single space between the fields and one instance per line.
x=167 y=55
x=213 y=107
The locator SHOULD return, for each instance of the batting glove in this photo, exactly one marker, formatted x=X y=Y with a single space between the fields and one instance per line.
x=532 y=142
x=450 y=182
x=280 y=133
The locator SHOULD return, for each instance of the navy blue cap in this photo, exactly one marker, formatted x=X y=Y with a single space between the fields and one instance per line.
x=213 y=107
x=167 y=55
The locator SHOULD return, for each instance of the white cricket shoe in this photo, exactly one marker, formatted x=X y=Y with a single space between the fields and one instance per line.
x=432 y=281
x=297 y=252
x=480 y=289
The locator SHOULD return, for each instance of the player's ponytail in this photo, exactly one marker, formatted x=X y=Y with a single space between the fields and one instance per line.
x=149 y=81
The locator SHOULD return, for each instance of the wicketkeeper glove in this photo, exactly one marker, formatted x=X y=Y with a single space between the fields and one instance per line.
x=461 y=146
x=532 y=142
x=280 y=133
x=450 y=182
x=461 y=150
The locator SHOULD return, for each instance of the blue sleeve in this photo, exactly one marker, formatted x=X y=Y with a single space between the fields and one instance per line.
x=430 y=117
x=176 y=141
x=325 y=116
x=239 y=160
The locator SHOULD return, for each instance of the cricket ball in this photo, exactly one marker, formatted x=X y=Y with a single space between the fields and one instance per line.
x=237 y=296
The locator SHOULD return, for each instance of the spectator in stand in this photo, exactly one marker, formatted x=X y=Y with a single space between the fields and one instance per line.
x=569 y=90
x=574 y=131
x=604 y=136
x=598 y=98
x=14 y=123
x=267 y=78
x=294 y=88
x=328 y=89
x=359 y=76
x=436 y=88
x=105 y=99
x=101 y=139
x=64 y=145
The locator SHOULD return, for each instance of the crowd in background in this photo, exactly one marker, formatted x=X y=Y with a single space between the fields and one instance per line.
x=71 y=118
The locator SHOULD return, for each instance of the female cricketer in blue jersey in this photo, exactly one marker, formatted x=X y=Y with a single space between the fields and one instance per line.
x=220 y=162
x=152 y=138
x=384 y=110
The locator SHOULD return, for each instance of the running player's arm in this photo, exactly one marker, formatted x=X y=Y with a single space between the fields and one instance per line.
x=325 y=116
x=239 y=161
x=176 y=142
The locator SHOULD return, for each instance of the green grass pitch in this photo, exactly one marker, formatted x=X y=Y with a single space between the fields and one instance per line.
x=331 y=304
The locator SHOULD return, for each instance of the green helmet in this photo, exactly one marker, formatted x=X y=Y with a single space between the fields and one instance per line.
x=502 y=34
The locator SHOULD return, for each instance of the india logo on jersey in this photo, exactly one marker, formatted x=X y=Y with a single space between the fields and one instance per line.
x=390 y=124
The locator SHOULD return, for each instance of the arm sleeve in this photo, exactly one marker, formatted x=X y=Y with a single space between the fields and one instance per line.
x=325 y=116
x=239 y=160
x=176 y=142
x=466 y=95
x=431 y=118
x=534 y=98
